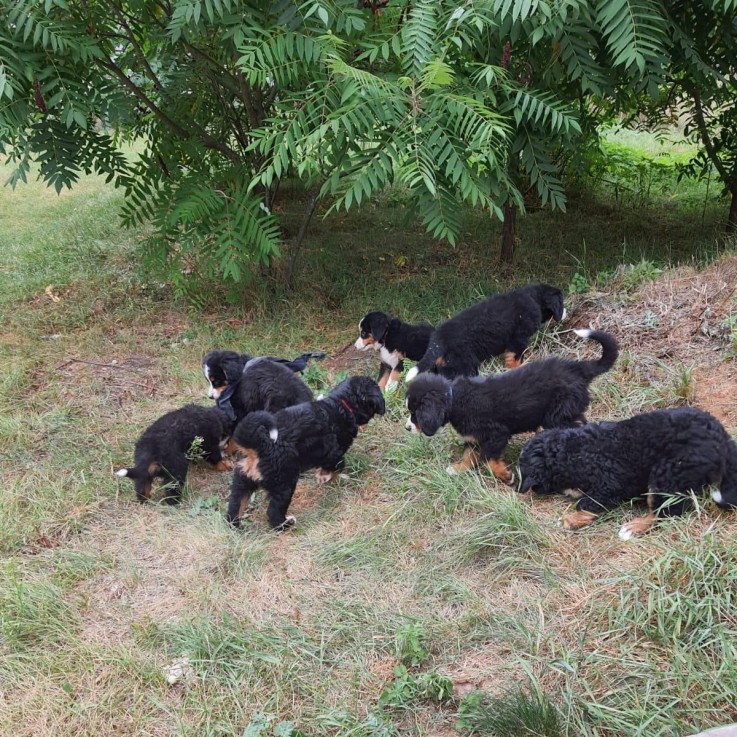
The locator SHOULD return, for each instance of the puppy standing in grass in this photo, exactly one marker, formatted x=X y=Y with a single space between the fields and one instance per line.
x=161 y=452
x=656 y=455
x=275 y=448
x=500 y=324
x=487 y=411
x=395 y=340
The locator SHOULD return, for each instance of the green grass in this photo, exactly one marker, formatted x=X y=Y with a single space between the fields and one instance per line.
x=400 y=583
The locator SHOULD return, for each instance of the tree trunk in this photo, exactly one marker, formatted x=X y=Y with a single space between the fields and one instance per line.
x=309 y=210
x=732 y=219
x=508 y=234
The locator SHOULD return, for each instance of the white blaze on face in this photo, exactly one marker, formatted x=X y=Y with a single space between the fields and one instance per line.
x=564 y=315
x=409 y=425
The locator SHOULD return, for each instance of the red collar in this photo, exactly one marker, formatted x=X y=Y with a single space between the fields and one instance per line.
x=347 y=406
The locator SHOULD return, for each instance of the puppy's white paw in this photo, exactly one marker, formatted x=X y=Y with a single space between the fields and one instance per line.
x=716 y=494
x=411 y=374
x=625 y=533
x=512 y=480
x=391 y=386
x=451 y=471
x=322 y=476
x=289 y=521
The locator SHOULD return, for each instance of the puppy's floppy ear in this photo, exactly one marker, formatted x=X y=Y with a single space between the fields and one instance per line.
x=430 y=417
x=233 y=368
x=552 y=302
x=377 y=399
x=379 y=325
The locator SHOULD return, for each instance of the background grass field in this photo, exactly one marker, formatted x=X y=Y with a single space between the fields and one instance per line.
x=405 y=601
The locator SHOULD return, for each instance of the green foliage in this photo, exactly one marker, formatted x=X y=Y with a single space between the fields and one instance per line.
x=515 y=714
x=410 y=639
x=408 y=688
x=458 y=104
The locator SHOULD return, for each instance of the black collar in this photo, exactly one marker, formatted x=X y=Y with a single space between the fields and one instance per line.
x=223 y=401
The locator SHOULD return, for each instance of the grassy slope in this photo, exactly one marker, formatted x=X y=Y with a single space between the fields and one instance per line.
x=396 y=564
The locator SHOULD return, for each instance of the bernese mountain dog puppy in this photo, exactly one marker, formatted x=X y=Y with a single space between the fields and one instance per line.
x=163 y=448
x=659 y=455
x=500 y=324
x=395 y=340
x=274 y=448
x=241 y=386
x=487 y=411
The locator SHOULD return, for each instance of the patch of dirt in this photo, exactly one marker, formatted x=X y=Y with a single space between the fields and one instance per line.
x=120 y=379
x=681 y=318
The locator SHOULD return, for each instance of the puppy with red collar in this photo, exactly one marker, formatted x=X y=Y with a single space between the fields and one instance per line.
x=275 y=448
x=395 y=340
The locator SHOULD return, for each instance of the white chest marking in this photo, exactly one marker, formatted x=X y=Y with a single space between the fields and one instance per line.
x=391 y=359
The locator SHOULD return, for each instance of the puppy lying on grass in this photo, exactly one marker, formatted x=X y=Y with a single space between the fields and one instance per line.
x=656 y=455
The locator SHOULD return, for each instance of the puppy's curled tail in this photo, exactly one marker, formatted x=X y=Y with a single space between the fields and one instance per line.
x=609 y=353
x=256 y=430
x=427 y=362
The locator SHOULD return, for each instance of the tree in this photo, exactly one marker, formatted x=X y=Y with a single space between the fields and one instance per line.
x=476 y=103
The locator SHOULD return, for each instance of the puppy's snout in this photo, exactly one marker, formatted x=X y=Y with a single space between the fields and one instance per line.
x=212 y=393
x=409 y=425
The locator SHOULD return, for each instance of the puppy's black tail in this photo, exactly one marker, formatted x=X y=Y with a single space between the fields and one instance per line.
x=609 y=353
x=299 y=364
x=256 y=430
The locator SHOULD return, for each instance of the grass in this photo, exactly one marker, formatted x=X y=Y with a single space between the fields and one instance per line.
x=401 y=589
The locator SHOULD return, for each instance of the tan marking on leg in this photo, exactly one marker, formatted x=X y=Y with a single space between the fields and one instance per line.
x=510 y=361
x=222 y=465
x=147 y=489
x=470 y=459
x=577 y=520
x=470 y=439
x=440 y=361
x=637 y=526
x=500 y=470
x=382 y=381
x=248 y=464
x=153 y=468
x=394 y=376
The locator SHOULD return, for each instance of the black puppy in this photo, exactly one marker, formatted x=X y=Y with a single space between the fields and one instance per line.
x=258 y=384
x=487 y=411
x=500 y=324
x=275 y=448
x=162 y=449
x=656 y=455
x=395 y=340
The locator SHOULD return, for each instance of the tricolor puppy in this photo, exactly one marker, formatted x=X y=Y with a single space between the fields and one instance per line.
x=500 y=324
x=162 y=451
x=395 y=340
x=657 y=455
x=241 y=386
x=275 y=448
x=487 y=411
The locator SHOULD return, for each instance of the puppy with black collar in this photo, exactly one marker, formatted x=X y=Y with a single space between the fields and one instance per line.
x=656 y=455
x=500 y=324
x=275 y=448
x=487 y=411
x=395 y=340
x=240 y=384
